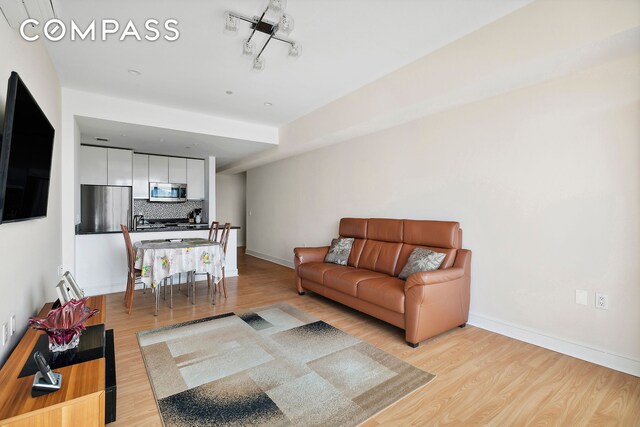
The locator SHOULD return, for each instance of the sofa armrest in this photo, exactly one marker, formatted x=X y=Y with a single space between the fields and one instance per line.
x=305 y=255
x=425 y=278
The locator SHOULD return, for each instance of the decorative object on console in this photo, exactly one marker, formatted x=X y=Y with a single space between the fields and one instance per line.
x=339 y=251
x=421 y=260
x=271 y=366
x=283 y=25
x=65 y=324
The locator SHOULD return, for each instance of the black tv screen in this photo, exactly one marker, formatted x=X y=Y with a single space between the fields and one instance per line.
x=25 y=156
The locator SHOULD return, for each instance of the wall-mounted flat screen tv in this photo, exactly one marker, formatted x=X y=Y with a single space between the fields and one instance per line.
x=26 y=151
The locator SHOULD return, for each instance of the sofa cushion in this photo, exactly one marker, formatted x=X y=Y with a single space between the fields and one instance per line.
x=405 y=252
x=421 y=260
x=439 y=234
x=339 y=251
x=356 y=251
x=315 y=271
x=346 y=279
x=380 y=256
x=353 y=227
x=385 y=230
x=387 y=292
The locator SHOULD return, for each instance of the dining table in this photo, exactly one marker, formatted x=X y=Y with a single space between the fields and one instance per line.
x=161 y=259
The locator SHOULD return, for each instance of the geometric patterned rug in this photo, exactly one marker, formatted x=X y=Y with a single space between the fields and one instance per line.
x=272 y=366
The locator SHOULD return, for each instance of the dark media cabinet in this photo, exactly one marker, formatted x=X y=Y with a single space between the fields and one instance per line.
x=88 y=393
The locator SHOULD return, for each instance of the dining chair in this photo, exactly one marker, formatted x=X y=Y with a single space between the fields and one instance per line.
x=224 y=239
x=224 y=236
x=213 y=231
x=213 y=236
x=133 y=274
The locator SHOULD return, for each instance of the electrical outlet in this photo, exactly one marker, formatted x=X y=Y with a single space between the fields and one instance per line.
x=5 y=334
x=602 y=301
x=582 y=297
x=12 y=325
x=60 y=270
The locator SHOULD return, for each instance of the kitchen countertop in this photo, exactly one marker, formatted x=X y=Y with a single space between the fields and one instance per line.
x=155 y=229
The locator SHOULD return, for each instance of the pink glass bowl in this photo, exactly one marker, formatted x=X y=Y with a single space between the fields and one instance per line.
x=65 y=324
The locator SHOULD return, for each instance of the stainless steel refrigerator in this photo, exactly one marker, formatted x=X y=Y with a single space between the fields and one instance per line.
x=103 y=208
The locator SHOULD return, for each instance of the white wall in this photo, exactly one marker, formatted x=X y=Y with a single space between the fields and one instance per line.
x=545 y=182
x=231 y=201
x=30 y=251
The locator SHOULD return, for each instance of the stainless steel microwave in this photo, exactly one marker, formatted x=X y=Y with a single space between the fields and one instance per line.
x=167 y=192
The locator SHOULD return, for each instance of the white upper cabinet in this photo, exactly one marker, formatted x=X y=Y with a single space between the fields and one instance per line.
x=119 y=167
x=93 y=165
x=177 y=170
x=158 y=169
x=140 y=176
x=195 y=179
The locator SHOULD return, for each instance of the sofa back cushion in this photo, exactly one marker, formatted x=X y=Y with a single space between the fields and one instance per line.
x=380 y=256
x=353 y=227
x=382 y=247
x=439 y=234
x=385 y=230
x=356 y=228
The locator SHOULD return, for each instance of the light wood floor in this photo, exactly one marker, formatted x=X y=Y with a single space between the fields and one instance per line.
x=482 y=378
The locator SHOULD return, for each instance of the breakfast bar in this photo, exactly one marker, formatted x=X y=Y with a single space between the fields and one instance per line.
x=101 y=264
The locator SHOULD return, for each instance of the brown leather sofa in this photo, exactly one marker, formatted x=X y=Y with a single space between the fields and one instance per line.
x=426 y=304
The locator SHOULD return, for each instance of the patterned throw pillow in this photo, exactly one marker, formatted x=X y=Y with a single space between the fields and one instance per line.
x=339 y=251
x=421 y=260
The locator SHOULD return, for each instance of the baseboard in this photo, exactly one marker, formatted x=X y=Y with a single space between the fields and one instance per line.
x=270 y=258
x=541 y=339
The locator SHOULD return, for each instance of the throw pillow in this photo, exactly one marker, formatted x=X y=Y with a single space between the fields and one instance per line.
x=421 y=260
x=339 y=251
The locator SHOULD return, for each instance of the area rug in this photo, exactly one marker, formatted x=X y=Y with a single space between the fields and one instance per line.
x=272 y=366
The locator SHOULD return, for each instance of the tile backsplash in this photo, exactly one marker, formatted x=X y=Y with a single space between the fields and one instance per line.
x=158 y=210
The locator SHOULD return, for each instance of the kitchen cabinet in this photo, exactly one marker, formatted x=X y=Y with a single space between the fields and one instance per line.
x=195 y=179
x=177 y=170
x=93 y=165
x=158 y=169
x=140 y=176
x=119 y=167
x=106 y=166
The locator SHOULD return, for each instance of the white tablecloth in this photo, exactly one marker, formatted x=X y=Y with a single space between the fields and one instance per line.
x=158 y=259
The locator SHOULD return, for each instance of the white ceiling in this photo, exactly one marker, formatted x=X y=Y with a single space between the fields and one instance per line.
x=346 y=44
x=148 y=139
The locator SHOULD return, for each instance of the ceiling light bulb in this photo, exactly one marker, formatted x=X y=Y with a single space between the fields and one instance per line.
x=248 y=48
x=229 y=92
x=258 y=63
x=286 y=24
x=277 y=5
x=230 y=23
x=134 y=72
x=295 y=50
x=268 y=104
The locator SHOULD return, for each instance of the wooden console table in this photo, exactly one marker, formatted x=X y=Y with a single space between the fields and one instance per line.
x=80 y=401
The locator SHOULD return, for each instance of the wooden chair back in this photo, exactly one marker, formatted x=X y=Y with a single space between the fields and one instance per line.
x=224 y=237
x=129 y=246
x=213 y=231
x=131 y=274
